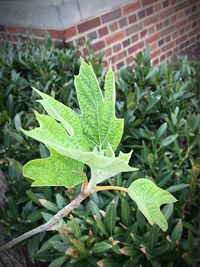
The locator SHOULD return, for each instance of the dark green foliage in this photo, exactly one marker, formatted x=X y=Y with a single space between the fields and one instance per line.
x=162 y=125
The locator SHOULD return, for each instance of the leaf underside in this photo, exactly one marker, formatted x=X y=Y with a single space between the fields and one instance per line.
x=77 y=139
x=149 y=198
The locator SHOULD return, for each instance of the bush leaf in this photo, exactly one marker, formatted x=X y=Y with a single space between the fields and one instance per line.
x=149 y=198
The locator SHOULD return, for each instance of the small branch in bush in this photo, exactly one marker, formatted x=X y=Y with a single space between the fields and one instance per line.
x=46 y=226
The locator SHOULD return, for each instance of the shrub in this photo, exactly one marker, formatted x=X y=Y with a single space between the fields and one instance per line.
x=161 y=111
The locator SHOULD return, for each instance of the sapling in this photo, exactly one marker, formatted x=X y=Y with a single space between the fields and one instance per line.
x=89 y=137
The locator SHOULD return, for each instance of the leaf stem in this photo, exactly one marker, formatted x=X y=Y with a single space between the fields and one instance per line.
x=111 y=187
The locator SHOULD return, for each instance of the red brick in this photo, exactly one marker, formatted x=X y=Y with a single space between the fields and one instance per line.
x=191 y=2
x=70 y=32
x=167 y=30
x=166 y=3
x=10 y=29
x=162 y=58
x=176 y=50
x=160 y=42
x=167 y=13
x=149 y=10
x=143 y=33
x=181 y=23
x=56 y=34
x=111 y=15
x=182 y=31
x=114 y=37
x=169 y=53
x=118 y=57
x=180 y=6
x=117 y=48
x=134 y=38
x=157 y=7
x=151 y=20
x=108 y=52
x=194 y=9
x=38 y=32
x=173 y=2
x=103 y=31
x=135 y=47
x=113 y=27
x=167 y=46
x=147 y=2
x=168 y=39
x=98 y=46
x=181 y=39
x=155 y=62
x=88 y=25
x=166 y=23
x=159 y=26
x=141 y=14
x=173 y=19
x=194 y=32
x=120 y=65
x=194 y=16
x=126 y=43
x=174 y=35
x=133 y=29
x=132 y=18
x=92 y=35
x=153 y=38
x=181 y=14
x=155 y=53
x=123 y=22
x=129 y=60
x=131 y=8
x=154 y=46
x=151 y=30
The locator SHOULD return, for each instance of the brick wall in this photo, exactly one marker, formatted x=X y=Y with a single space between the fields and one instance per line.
x=168 y=26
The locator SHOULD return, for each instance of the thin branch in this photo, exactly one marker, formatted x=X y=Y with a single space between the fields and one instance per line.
x=111 y=187
x=46 y=226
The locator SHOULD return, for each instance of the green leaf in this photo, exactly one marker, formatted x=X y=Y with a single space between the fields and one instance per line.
x=101 y=247
x=151 y=73
x=168 y=210
x=170 y=139
x=57 y=170
x=87 y=138
x=161 y=131
x=97 y=111
x=149 y=198
x=125 y=212
x=175 y=188
x=110 y=219
x=177 y=231
x=58 y=261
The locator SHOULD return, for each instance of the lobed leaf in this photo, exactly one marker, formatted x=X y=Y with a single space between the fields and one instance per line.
x=149 y=198
x=76 y=139
x=98 y=120
x=57 y=170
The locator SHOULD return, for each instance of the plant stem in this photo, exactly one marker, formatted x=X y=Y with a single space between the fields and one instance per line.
x=46 y=226
x=111 y=187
